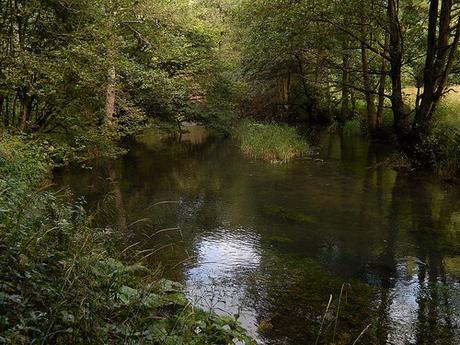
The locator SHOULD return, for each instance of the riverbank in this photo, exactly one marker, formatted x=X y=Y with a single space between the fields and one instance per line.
x=439 y=155
x=62 y=280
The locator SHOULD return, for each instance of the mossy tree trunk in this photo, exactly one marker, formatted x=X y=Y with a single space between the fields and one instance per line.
x=110 y=96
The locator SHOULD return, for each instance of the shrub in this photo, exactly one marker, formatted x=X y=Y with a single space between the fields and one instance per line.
x=271 y=142
x=79 y=146
x=23 y=165
x=441 y=150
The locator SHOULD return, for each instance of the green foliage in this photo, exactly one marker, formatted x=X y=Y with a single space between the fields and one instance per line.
x=54 y=70
x=79 y=146
x=60 y=282
x=28 y=167
x=440 y=146
x=279 y=60
x=271 y=142
x=440 y=150
x=448 y=109
x=355 y=126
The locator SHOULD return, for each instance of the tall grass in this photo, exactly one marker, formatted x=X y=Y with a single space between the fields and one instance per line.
x=448 y=111
x=63 y=282
x=269 y=141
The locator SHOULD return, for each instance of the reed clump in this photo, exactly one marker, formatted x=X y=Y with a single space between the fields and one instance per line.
x=271 y=142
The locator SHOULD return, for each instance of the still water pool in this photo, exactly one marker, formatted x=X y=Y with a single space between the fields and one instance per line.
x=273 y=244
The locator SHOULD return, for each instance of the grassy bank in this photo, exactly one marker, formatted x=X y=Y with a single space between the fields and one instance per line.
x=271 y=142
x=62 y=280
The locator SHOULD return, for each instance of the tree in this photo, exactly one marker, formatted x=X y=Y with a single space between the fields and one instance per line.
x=69 y=65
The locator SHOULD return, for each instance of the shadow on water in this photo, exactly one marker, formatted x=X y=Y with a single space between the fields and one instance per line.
x=271 y=243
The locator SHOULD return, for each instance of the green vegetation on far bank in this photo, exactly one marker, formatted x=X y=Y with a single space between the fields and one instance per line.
x=439 y=151
x=385 y=68
x=63 y=281
x=271 y=142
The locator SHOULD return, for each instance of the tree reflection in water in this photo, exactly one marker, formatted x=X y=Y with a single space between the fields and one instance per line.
x=270 y=243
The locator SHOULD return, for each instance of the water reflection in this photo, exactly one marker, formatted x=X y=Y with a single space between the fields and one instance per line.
x=217 y=280
x=270 y=243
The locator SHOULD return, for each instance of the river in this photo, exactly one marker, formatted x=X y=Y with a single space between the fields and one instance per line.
x=274 y=243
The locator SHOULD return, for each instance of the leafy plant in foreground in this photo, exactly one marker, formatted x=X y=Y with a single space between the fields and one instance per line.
x=62 y=283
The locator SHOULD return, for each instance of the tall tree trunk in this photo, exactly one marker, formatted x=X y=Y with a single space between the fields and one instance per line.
x=26 y=107
x=438 y=63
x=328 y=95
x=353 y=104
x=368 y=92
x=110 y=96
x=23 y=117
x=3 y=115
x=7 y=111
x=313 y=102
x=429 y=78
x=382 y=82
x=13 y=109
x=367 y=82
x=401 y=124
x=345 y=110
x=286 y=92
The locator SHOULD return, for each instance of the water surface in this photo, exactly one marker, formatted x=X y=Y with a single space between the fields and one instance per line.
x=271 y=243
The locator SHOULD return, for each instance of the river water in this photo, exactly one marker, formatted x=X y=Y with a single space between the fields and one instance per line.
x=273 y=244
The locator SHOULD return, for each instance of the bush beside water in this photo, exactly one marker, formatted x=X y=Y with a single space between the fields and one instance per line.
x=440 y=150
x=62 y=282
x=269 y=141
x=444 y=141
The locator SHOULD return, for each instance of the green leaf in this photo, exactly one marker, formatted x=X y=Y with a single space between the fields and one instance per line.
x=127 y=295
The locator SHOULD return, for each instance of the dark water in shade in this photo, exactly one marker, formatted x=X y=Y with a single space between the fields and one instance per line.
x=271 y=243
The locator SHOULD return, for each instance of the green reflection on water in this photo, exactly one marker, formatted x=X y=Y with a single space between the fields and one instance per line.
x=273 y=242
x=286 y=214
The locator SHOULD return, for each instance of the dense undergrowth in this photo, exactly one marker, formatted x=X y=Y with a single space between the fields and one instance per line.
x=62 y=281
x=442 y=146
x=271 y=142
